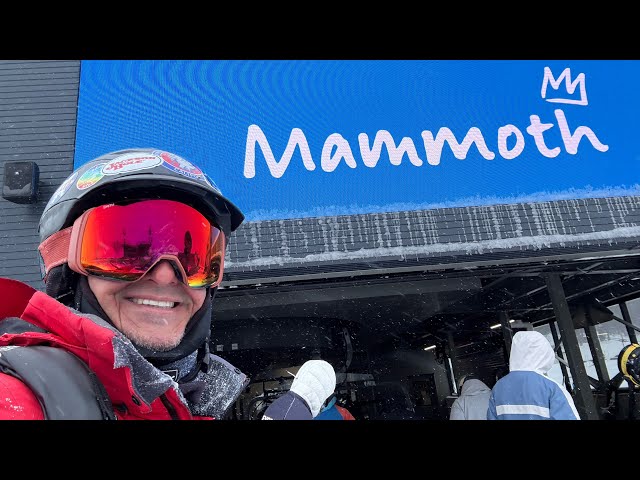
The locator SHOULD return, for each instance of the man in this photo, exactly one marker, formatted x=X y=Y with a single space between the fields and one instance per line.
x=188 y=260
x=123 y=329
x=526 y=392
x=473 y=401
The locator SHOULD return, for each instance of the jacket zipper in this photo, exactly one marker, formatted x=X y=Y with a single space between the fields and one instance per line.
x=170 y=408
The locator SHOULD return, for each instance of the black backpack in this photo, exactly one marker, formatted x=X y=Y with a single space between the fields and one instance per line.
x=64 y=385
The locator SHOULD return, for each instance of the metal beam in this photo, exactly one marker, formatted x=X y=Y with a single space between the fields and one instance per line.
x=507 y=333
x=453 y=355
x=556 y=343
x=589 y=290
x=627 y=318
x=263 y=274
x=632 y=295
x=544 y=286
x=596 y=348
x=585 y=403
x=322 y=293
x=629 y=325
x=572 y=273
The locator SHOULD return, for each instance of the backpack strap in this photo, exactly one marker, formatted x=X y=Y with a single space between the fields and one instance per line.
x=64 y=385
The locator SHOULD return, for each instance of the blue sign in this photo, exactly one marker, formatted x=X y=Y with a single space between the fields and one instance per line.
x=291 y=138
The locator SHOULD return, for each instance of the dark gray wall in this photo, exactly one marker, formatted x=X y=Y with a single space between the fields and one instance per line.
x=38 y=108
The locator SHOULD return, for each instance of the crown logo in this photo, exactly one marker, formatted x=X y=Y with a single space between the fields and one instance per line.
x=570 y=87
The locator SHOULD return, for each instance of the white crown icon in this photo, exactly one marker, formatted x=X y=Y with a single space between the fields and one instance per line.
x=570 y=86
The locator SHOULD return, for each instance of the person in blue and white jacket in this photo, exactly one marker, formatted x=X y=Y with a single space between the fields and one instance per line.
x=526 y=392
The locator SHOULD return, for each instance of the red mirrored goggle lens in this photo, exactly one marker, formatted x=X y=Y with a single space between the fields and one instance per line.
x=123 y=241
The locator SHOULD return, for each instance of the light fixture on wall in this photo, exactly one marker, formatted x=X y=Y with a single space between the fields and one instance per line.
x=20 y=182
x=497 y=325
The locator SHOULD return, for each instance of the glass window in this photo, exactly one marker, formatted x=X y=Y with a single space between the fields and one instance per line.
x=634 y=312
x=585 y=351
x=613 y=338
x=556 y=372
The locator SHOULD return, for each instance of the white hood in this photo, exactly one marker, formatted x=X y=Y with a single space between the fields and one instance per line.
x=531 y=351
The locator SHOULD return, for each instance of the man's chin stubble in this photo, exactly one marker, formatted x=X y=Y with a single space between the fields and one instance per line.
x=151 y=344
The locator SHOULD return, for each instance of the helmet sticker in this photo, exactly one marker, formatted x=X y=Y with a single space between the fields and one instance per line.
x=131 y=162
x=62 y=189
x=90 y=177
x=180 y=165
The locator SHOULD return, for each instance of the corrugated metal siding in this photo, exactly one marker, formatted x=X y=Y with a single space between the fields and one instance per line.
x=38 y=111
x=279 y=248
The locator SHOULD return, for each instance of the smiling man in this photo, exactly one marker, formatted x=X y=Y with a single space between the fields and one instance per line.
x=123 y=329
x=152 y=312
x=132 y=252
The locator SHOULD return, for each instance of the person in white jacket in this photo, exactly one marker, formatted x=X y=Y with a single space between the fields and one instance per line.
x=526 y=392
x=473 y=402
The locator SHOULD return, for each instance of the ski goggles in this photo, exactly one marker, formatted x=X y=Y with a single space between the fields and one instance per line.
x=123 y=242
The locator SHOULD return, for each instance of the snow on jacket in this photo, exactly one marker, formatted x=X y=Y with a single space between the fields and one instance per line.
x=473 y=402
x=526 y=392
x=136 y=389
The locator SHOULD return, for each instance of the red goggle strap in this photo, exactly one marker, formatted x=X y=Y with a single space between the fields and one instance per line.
x=55 y=249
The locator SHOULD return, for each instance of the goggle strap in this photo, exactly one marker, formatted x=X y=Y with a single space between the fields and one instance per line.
x=55 y=249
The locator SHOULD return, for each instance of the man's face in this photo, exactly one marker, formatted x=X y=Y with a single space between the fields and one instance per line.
x=154 y=311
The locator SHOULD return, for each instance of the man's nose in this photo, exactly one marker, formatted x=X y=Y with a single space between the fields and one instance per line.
x=165 y=272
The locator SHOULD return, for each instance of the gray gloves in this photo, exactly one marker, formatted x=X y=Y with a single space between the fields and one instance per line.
x=314 y=382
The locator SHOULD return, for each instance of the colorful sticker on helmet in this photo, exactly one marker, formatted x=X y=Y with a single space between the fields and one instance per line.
x=180 y=165
x=131 y=162
x=90 y=177
x=62 y=189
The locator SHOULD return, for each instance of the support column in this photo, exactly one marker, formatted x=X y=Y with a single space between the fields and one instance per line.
x=507 y=333
x=584 y=400
x=453 y=356
x=627 y=318
x=595 y=347
x=559 y=353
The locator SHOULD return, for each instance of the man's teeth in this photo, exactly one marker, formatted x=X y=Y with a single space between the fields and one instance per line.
x=153 y=303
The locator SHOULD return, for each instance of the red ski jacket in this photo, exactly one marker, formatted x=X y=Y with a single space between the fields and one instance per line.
x=135 y=388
